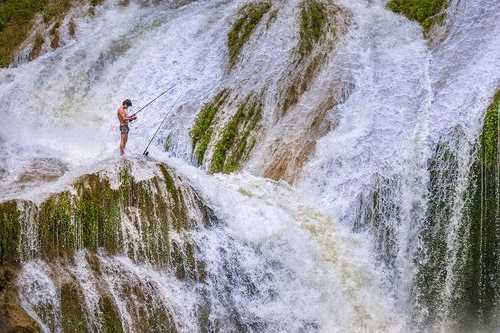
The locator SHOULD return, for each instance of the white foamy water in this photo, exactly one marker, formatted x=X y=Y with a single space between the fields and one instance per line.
x=283 y=259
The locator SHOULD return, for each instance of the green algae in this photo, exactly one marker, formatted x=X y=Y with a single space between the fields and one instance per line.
x=148 y=313
x=426 y=12
x=313 y=21
x=58 y=234
x=202 y=147
x=478 y=267
x=98 y=213
x=318 y=27
x=249 y=17
x=433 y=257
x=17 y=19
x=201 y=133
x=489 y=138
x=73 y=318
x=111 y=321
x=179 y=208
x=230 y=150
x=10 y=232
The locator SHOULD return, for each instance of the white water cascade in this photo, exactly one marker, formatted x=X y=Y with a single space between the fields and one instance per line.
x=314 y=256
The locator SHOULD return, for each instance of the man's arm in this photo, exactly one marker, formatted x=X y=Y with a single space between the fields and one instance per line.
x=130 y=118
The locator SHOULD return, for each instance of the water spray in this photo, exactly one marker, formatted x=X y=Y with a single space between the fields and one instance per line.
x=152 y=101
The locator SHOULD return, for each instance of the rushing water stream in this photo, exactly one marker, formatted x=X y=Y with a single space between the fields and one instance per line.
x=315 y=256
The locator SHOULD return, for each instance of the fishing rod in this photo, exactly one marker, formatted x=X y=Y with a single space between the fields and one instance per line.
x=146 y=153
x=151 y=102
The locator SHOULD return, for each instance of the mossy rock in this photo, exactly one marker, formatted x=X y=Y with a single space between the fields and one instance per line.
x=234 y=144
x=201 y=133
x=13 y=318
x=426 y=12
x=10 y=232
x=73 y=317
x=429 y=289
x=313 y=21
x=249 y=16
x=474 y=305
x=16 y=22
x=92 y=216
x=111 y=321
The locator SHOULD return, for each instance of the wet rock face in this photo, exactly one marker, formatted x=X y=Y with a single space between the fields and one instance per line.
x=479 y=261
x=12 y=317
x=456 y=282
x=42 y=170
x=146 y=221
x=231 y=125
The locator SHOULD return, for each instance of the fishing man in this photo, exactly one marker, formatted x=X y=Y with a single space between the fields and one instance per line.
x=124 y=120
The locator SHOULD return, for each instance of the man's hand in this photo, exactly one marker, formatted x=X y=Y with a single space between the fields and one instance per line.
x=132 y=118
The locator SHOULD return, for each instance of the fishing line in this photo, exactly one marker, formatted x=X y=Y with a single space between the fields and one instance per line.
x=146 y=153
x=152 y=101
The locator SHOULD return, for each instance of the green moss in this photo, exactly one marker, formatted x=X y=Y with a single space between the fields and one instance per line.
x=489 y=138
x=478 y=266
x=230 y=149
x=313 y=20
x=58 y=233
x=56 y=9
x=425 y=12
x=316 y=21
x=10 y=232
x=241 y=30
x=16 y=17
x=432 y=258
x=16 y=21
x=179 y=208
x=201 y=133
x=73 y=317
x=202 y=147
x=98 y=213
x=109 y=315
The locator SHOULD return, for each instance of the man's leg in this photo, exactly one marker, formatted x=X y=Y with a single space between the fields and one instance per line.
x=123 y=143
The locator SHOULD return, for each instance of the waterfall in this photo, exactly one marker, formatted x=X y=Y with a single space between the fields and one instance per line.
x=325 y=166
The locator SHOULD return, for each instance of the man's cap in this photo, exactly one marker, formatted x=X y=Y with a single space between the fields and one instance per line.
x=127 y=102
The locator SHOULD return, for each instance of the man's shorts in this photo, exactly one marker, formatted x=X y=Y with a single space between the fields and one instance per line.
x=124 y=129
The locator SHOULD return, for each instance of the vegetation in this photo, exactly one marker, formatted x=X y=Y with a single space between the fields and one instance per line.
x=111 y=319
x=241 y=30
x=313 y=21
x=72 y=313
x=235 y=136
x=479 y=256
x=425 y=12
x=91 y=219
x=9 y=232
x=17 y=18
x=430 y=280
x=316 y=21
x=201 y=133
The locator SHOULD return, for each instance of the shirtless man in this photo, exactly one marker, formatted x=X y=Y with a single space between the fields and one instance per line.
x=124 y=119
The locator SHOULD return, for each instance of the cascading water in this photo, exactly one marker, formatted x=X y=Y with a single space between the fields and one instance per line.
x=369 y=238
